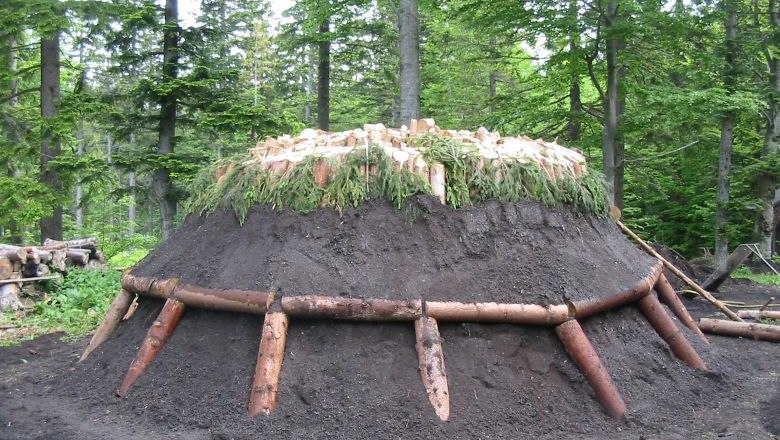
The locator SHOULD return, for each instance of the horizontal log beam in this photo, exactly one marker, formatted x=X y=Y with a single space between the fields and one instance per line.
x=329 y=307
x=587 y=307
x=494 y=312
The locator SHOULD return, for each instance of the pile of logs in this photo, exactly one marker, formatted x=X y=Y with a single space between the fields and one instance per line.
x=279 y=154
x=25 y=264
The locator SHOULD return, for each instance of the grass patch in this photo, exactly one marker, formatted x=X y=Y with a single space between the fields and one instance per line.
x=371 y=173
x=74 y=306
x=768 y=279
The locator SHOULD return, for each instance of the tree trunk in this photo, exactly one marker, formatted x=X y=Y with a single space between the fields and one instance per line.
x=767 y=185
x=323 y=77
x=614 y=101
x=79 y=211
x=726 y=140
x=161 y=181
x=574 y=124
x=12 y=137
x=51 y=226
x=131 y=183
x=409 y=45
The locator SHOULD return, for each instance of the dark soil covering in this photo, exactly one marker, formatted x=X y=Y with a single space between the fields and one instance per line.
x=360 y=380
x=508 y=253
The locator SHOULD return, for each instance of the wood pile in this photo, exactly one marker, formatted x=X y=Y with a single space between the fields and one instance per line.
x=406 y=145
x=26 y=264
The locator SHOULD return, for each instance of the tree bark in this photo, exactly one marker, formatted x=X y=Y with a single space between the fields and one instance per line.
x=767 y=184
x=726 y=139
x=574 y=124
x=15 y=236
x=409 y=45
x=51 y=226
x=131 y=183
x=614 y=102
x=161 y=180
x=323 y=76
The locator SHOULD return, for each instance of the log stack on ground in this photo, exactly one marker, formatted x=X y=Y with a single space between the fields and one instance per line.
x=27 y=264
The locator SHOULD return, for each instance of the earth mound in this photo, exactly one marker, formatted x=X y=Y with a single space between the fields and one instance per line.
x=361 y=380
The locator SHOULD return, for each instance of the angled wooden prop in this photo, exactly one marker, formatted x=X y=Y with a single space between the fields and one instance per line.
x=667 y=329
x=158 y=334
x=110 y=322
x=584 y=355
x=269 y=364
x=667 y=293
x=431 y=360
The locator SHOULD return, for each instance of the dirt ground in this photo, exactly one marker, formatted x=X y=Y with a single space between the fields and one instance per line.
x=360 y=380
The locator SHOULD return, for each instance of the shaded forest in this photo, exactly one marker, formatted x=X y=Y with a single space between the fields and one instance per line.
x=109 y=109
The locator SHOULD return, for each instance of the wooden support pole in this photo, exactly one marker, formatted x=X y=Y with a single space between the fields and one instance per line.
x=329 y=307
x=667 y=293
x=762 y=332
x=707 y=295
x=584 y=355
x=493 y=312
x=229 y=300
x=667 y=329
x=158 y=334
x=116 y=311
x=430 y=357
x=269 y=364
x=587 y=307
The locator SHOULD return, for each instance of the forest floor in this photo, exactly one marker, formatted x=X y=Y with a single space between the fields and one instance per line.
x=38 y=398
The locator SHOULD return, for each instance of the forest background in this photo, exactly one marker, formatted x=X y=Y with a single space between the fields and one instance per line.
x=109 y=109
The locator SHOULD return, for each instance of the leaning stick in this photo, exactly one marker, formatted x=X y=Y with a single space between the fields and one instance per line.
x=763 y=332
x=668 y=331
x=759 y=314
x=328 y=307
x=584 y=355
x=158 y=334
x=707 y=295
x=110 y=322
x=431 y=361
x=666 y=291
x=269 y=364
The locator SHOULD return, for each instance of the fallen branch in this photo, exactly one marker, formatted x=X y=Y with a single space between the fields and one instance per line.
x=707 y=295
x=763 y=332
x=759 y=314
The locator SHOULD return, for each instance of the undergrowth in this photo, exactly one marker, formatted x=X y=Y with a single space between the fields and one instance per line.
x=75 y=305
x=768 y=279
x=371 y=173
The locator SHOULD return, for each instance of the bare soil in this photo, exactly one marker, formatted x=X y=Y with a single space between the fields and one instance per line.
x=360 y=380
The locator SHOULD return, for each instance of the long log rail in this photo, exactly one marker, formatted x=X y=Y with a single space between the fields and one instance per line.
x=423 y=314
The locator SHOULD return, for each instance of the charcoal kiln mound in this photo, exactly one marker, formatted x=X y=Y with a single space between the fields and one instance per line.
x=401 y=317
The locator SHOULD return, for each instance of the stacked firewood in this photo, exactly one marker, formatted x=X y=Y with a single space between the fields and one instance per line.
x=26 y=264
x=278 y=154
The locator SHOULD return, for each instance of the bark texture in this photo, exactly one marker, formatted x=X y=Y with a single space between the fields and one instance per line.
x=726 y=139
x=409 y=45
x=614 y=102
x=161 y=180
x=323 y=77
x=51 y=226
